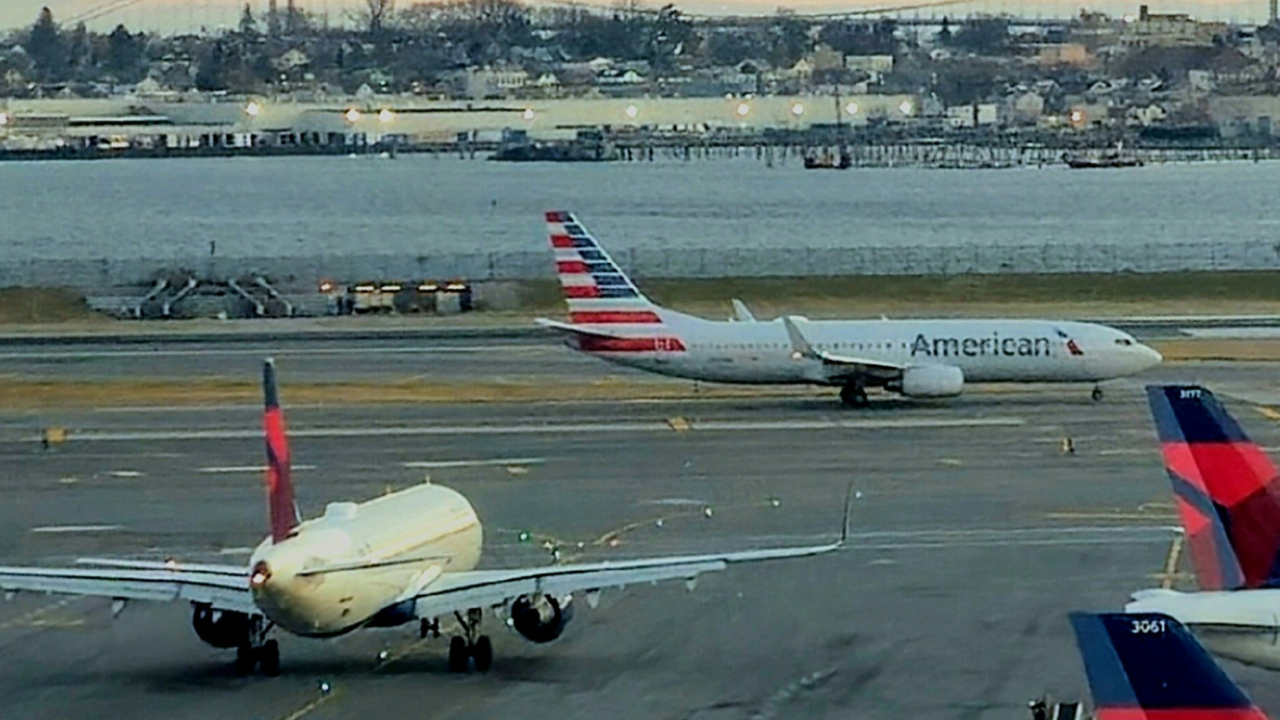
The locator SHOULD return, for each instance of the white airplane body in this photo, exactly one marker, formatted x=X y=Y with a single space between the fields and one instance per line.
x=408 y=556
x=1228 y=495
x=611 y=319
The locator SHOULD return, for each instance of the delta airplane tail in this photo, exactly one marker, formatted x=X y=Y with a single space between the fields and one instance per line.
x=1149 y=667
x=1226 y=488
x=281 y=507
x=607 y=312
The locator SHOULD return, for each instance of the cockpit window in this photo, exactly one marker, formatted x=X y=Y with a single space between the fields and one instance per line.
x=1123 y=341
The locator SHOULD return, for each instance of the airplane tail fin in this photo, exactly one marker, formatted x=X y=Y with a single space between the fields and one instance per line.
x=281 y=507
x=1226 y=489
x=1149 y=666
x=596 y=289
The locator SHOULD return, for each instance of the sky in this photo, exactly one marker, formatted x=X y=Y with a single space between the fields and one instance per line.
x=169 y=15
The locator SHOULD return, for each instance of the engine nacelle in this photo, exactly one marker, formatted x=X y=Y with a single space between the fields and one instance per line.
x=541 y=618
x=932 y=381
x=220 y=628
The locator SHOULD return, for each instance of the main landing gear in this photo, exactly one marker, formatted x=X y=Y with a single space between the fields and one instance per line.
x=257 y=651
x=1096 y=395
x=470 y=645
x=854 y=395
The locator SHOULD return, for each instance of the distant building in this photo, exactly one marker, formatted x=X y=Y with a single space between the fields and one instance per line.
x=481 y=83
x=869 y=63
x=1052 y=55
x=1150 y=29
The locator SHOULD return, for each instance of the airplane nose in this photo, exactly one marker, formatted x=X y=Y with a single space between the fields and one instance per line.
x=1151 y=356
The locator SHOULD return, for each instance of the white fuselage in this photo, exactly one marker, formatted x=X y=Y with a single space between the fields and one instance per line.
x=1243 y=625
x=985 y=350
x=416 y=534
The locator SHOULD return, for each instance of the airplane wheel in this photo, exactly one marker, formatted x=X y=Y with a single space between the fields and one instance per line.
x=853 y=396
x=245 y=660
x=1096 y=395
x=270 y=659
x=458 y=655
x=483 y=654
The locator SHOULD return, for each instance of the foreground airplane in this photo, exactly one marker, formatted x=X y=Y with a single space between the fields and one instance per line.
x=405 y=557
x=1228 y=495
x=611 y=319
x=1147 y=667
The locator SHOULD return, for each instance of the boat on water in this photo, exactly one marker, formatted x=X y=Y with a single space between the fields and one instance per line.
x=826 y=160
x=1116 y=158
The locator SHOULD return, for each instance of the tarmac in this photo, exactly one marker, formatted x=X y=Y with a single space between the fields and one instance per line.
x=973 y=536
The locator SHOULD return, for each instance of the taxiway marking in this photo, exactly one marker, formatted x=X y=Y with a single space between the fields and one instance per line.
x=59 y=529
x=555 y=429
x=495 y=462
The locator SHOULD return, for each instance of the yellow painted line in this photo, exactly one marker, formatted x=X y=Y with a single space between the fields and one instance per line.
x=28 y=619
x=1268 y=413
x=1171 y=562
x=311 y=706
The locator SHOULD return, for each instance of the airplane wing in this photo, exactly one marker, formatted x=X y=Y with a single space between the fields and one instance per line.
x=165 y=584
x=488 y=588
x=801 y=348
x=492 y=588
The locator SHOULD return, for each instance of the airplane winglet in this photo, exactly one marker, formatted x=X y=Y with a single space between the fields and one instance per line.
x=741 y=312
x=800 y=347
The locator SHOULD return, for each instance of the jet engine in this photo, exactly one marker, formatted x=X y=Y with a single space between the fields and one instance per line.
x=931 y=381
x=220 y=628
x=541 y=618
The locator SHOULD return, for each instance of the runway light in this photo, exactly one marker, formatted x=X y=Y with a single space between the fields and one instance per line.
x=743 y=109
x=325 y=687
x=171 y=564
x=851 y=108
x=386 y=116
x=632 y=111
x=253 y=109
x=906 y=107
x=326 y=286
x=775 y=502
x=1077 y=117
x=659 y=522
x=528 y=114
x=706 y=512
x=353 y=115
x=797 y=109
x=524 y=536
x=383 y=655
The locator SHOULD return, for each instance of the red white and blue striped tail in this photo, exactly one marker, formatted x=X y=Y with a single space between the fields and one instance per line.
x=596 y=289
x=1227 y=489
x=1150 y=667
x=282 y=510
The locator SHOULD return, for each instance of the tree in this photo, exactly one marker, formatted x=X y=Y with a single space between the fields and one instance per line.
x=790 y=40
x=982 y=35
x=124 y=54
x=376 y=14
x=248 y=23
x=45 y=47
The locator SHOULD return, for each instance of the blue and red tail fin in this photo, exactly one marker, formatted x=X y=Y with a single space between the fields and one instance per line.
x=597 y=290
x=1150 y=667
x=1225 y=486
x=281 y=507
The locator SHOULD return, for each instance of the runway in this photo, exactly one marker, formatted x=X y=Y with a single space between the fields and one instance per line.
x=973 y=537
x=389 y=353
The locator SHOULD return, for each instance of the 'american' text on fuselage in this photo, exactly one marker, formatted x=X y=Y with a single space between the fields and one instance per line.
x=977 y=347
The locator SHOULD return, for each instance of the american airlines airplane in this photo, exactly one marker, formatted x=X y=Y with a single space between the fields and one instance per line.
x=1228 y=495
x=611 y=319
x=402 y=558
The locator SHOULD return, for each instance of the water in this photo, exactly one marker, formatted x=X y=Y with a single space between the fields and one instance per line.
x=164 y=209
